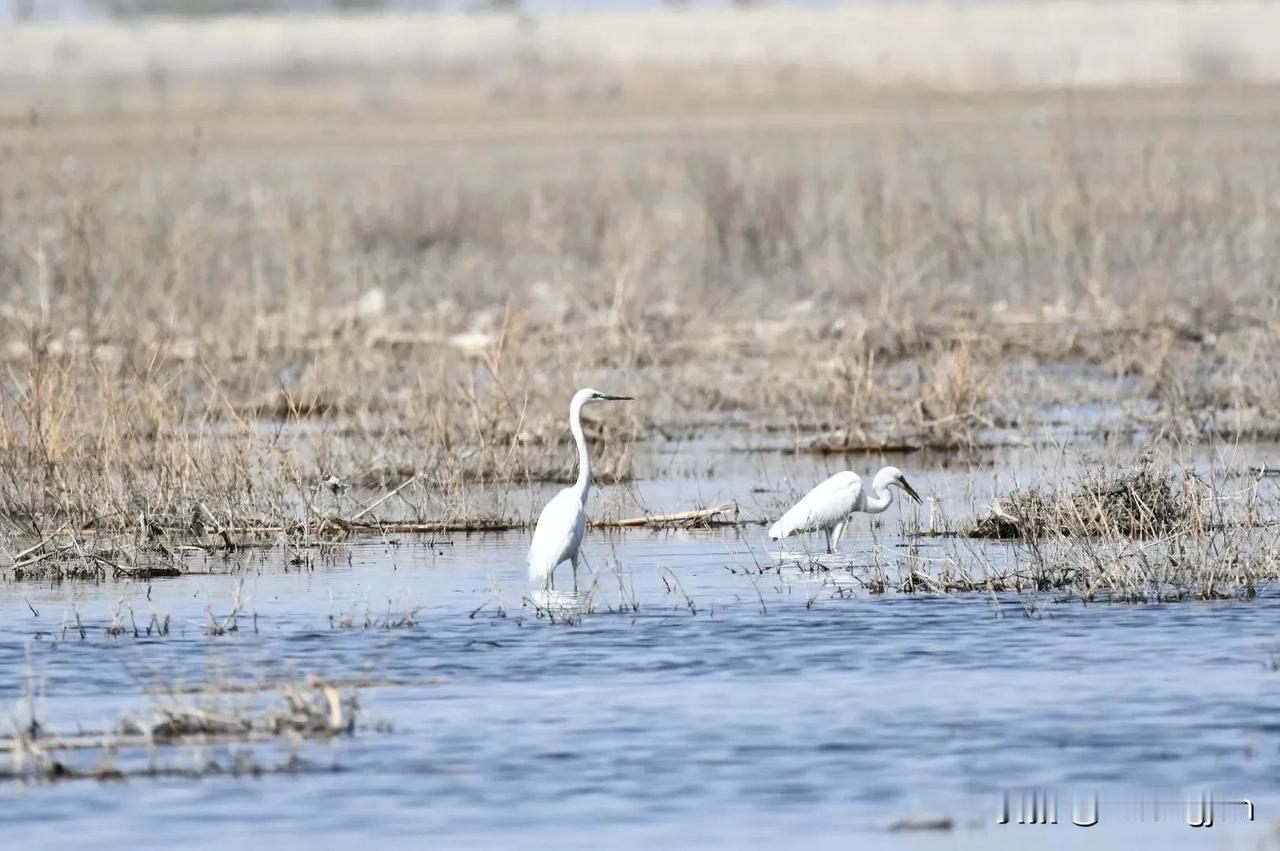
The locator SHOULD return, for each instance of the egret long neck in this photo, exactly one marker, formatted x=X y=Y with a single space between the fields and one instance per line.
x=880 y=498
x=583 y=485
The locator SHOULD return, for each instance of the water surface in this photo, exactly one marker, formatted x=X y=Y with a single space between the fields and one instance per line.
x=703 y=705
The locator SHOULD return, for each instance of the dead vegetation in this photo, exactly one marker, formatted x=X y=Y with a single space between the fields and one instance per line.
x=203 y=330
x=235 y=727
x=1140 y=502
x=1220 y=564
x=1145 y=533
x=362 y=617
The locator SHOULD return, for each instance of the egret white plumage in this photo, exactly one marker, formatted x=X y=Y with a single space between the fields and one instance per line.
x=828 y=506
x=562 y=522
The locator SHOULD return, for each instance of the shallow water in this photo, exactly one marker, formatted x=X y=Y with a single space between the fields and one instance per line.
x=703 y=706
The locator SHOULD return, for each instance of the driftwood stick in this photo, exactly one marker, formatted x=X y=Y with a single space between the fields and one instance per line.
x=697 y=515
x=362 y=524
x=47 y=554
x=386 y=497
x=429 y=526
x=29 y=550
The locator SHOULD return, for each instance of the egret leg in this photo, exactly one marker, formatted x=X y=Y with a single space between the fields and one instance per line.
x=551 y=579
x=574 y=560
x=836 y=533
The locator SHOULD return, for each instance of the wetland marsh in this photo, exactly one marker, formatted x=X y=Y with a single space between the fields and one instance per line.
x=282 y=391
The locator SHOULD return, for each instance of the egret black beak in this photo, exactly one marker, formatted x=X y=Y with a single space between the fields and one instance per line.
x=910 y=491
x=609 y=397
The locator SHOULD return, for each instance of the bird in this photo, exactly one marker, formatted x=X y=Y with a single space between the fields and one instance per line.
x=562 y=522
x=827 y=507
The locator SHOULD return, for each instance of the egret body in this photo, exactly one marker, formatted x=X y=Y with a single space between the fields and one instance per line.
x=828 y=506
x=563 y=521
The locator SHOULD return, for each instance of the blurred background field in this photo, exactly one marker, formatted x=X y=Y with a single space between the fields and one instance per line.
x=937 y=45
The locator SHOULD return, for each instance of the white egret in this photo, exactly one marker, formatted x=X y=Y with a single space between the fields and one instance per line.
x=828 y=506
x=564 y=519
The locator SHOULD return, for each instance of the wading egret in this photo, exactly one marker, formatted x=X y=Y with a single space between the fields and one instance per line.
x=561 y=524
x=828 y=506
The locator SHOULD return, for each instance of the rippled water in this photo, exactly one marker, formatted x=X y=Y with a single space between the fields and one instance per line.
x=704 y=706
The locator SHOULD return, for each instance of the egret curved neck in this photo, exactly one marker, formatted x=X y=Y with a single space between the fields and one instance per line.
x=583 y=485
x=880 y=498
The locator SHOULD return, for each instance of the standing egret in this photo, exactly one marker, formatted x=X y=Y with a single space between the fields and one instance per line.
x=560 y=525
x=828 y=506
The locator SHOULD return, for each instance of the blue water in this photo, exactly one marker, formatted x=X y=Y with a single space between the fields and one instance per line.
x=744 y=710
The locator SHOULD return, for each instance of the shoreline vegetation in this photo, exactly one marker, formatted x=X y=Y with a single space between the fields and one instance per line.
x=240 y=728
